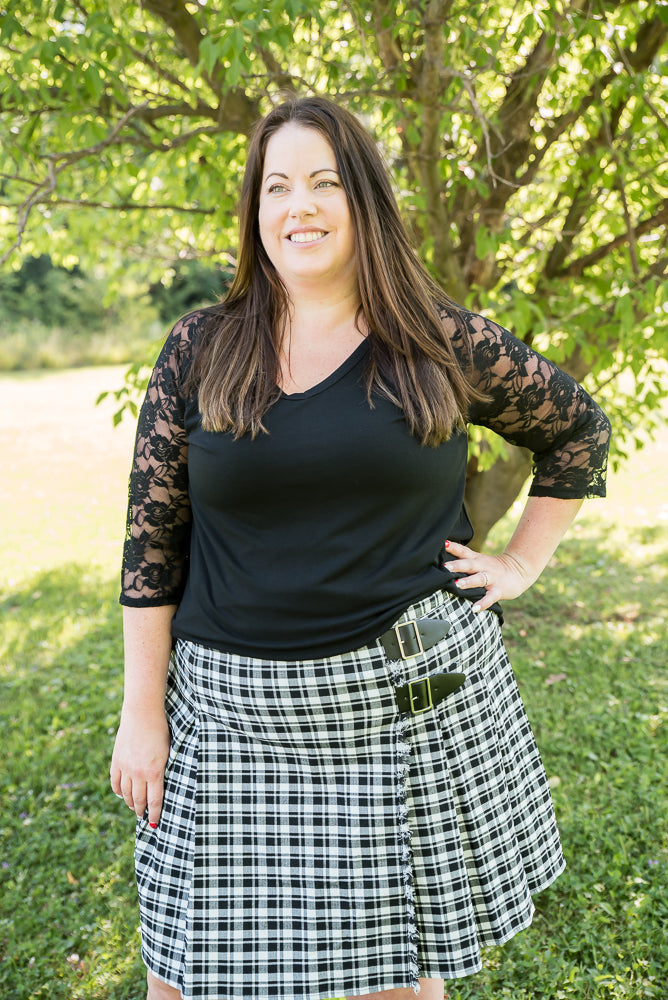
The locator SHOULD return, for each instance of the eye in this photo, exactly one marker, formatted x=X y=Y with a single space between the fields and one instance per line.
x=326 y=184
x=276 y=188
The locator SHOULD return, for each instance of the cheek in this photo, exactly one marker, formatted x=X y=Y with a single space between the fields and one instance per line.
x=351 y=240
x=266 y=222
x=267 y=239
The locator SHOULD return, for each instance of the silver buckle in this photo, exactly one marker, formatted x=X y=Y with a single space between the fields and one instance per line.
x=404 y=655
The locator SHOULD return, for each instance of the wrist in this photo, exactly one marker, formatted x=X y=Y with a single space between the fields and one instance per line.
x=521 y=565
x=147 y=711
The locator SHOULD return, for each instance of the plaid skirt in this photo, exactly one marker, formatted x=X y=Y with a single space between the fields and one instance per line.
x=316 y=842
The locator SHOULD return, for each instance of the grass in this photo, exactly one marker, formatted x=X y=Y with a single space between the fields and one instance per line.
x=588 y=644
x=31 y=346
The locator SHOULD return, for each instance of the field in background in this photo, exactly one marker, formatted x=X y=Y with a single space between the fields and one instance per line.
x=589 y=647
x=64 y=488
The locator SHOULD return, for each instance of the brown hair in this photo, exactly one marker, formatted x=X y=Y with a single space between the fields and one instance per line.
x=411 y=360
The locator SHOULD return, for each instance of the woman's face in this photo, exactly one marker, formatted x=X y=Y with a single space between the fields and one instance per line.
x=304 y=220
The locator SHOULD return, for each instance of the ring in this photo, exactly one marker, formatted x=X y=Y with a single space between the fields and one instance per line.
x=486 y=579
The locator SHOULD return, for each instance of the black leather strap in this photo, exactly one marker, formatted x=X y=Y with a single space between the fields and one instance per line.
x=420 y=696
x=410 y=639
x=413 y=637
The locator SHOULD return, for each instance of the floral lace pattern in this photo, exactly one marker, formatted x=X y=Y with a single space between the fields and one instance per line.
x=159 y=516
x=537 y=406
x=531 y=403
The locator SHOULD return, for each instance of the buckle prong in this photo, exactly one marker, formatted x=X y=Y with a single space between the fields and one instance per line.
x=415 y=697
x=418 y=639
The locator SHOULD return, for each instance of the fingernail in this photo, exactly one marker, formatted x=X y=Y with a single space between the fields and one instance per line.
x=476 y=608
x=154 y=826
x=457 y=582
x=447 y=545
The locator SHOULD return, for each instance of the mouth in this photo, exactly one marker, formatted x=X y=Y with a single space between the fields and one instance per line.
x=309 y=237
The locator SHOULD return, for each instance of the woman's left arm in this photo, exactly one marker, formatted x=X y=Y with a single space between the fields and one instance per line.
x=541 y=527
x=535 y=405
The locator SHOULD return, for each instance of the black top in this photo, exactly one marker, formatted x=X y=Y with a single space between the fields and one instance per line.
x=311 y=539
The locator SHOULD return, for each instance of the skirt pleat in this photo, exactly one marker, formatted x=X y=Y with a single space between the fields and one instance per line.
x=315 y=842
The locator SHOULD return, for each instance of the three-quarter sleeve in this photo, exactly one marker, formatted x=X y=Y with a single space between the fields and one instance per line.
x=155 y=554
x=534 y=404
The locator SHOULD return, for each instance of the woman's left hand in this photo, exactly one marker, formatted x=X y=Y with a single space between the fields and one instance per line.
x=503 y=577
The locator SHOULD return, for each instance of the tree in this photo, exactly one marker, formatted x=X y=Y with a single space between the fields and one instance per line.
x=526 y=141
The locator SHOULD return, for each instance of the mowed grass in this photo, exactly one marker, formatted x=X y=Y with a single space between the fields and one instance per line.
x=589 y=647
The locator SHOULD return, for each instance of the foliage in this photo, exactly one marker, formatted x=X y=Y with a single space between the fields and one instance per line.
x=526 y=140
x=57 y=296
x=589 y=647
x=57 y=317
x=186 y=285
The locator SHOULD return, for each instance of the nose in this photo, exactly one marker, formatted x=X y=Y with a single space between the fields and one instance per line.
x=302 y=203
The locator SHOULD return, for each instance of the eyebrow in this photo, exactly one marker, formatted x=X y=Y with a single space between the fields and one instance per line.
x=320 y=170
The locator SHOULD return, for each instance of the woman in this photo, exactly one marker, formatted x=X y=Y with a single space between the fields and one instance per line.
x=337 y=789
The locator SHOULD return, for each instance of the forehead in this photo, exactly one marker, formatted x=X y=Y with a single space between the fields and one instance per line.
x=294 y=147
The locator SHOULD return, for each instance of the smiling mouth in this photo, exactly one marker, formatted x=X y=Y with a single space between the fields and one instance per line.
x=306 y=237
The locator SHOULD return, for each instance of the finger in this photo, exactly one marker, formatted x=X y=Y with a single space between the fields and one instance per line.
x=458 y=550
x=115 y=781
x=466 y=560
x=490 y=598
x=155 y=796
x=139 y=798
x=476 y=579
x=126 y=791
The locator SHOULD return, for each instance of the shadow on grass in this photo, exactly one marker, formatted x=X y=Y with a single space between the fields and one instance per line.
x=67 y=912
x=589 y=647
x=588 y=643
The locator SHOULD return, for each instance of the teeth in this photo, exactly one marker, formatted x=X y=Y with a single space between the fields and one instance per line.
x=305 y=237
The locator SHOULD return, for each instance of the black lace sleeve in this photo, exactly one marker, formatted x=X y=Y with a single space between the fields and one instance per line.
x=155 y=553
x=536 y=405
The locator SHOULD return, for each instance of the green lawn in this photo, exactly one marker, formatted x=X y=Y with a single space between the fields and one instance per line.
x=588 y=643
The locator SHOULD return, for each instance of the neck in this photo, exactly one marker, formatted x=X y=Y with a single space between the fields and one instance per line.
x=322 y=312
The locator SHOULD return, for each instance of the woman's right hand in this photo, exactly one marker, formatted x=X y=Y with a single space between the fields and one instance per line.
x=138 y=762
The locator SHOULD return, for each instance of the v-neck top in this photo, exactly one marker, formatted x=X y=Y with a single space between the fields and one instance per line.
x=353 y=358
x=311 y=539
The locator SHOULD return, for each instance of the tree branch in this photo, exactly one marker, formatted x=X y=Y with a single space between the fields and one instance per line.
x=235 y=107
x=130 y=206
x=389 y=47
x=576 y=267
x=514 y=131
x=181 y=23
x=56 y=163
x=560 y=125
x=506 y=149
x=633 y=59
x=180 y=140
x=431 y=85
x=626 y=57
x=283 y=79
x=649 y=39
x=579 y=362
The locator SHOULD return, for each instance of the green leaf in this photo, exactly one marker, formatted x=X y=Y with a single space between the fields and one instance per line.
x=210 y=52
x=624 y=313
x=94 y=82
x=485 y=242
x=233 y=73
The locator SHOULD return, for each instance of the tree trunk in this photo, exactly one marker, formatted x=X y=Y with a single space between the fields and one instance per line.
x=491 y=493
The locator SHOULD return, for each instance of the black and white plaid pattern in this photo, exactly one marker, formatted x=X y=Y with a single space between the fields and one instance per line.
x=315 y=842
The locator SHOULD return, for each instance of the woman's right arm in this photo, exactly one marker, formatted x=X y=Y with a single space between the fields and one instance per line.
x=142 y=742
x=155 y=559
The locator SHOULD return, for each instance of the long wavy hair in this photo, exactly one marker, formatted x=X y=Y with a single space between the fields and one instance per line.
x=411 y=361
